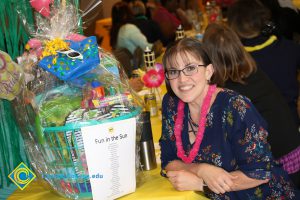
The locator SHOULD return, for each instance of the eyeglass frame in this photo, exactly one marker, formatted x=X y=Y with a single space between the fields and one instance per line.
x=68 y=53
x=182 y=70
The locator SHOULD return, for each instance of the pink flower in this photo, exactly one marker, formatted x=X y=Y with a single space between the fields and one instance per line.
x=34 y=43
x=35 y=47
x=159 y=67
x=75 y=37
x=153 y=78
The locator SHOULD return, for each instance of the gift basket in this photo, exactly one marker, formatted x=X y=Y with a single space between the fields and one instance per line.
x=78 y=115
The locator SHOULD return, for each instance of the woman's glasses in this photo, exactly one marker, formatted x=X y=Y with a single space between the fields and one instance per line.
x=71 y=53
x=187 y=71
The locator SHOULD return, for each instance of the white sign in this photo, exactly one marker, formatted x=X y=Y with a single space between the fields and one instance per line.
x=110 y=154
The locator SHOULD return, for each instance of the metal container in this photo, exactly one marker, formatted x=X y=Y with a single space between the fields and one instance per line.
x=147 y=151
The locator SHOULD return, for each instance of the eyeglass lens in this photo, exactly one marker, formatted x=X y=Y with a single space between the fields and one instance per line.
x=188 y=71
x=73 y=54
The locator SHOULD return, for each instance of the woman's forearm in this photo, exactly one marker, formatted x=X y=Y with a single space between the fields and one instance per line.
x=215 y=176
x=243 y=182
x=177 y=165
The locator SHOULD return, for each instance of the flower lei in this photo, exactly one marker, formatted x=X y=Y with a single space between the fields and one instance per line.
x=200 y=133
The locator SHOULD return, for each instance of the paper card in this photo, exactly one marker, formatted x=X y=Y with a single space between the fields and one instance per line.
x=110 y=154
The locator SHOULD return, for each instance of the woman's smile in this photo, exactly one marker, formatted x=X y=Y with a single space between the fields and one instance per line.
x=186 y=87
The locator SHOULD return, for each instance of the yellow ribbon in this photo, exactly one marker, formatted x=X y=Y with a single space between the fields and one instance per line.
x=261 y=46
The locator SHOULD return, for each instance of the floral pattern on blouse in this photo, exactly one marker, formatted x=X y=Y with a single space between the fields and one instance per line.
x=235 y=138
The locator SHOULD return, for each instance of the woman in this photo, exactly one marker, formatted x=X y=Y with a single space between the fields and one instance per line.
x=123 y=33
x=240 y=74
x=169 y=16
x=147 y=26
x=214 y=136
x=285 y=16
x=278 y=57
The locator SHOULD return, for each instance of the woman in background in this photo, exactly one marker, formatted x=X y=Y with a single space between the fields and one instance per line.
x=147 y=26
x=239 y=71
x=278 y=57
x=123 y=33
x=169 y=16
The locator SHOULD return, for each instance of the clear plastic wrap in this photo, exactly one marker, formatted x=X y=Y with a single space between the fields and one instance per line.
x=11 y=77
x=69 y=84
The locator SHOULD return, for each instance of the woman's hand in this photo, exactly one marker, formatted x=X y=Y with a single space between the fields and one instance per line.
x=184 y=180
x=217 y=179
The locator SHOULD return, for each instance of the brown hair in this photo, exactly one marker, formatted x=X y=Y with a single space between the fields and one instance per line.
x=248 y=17
x=183 y=48
x=227 y=53
x=138 y=8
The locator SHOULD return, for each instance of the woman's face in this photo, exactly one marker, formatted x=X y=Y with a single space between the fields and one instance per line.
x=191 y=89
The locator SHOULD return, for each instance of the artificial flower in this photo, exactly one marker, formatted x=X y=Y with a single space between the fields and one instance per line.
x=52 y=46
x=153 y=78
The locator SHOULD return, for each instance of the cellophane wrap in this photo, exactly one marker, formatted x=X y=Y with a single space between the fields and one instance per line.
x=69 y=83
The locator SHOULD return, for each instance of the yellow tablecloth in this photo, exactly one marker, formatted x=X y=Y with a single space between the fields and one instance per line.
x=159 y=188
x=153 y=187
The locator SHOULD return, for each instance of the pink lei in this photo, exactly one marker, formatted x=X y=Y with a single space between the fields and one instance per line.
x=201 y=129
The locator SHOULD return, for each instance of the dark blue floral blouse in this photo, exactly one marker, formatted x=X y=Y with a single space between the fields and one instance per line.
x=234 y=139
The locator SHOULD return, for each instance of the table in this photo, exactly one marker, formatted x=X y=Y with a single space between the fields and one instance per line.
x=153 y=187
x=159 y=188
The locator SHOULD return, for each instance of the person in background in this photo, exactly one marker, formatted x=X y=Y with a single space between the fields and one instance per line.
x=240 y=74
x=169 y=16
x=214 y=136
x=123 y=33
x=278 y=57
x=147 y=26
x=149 y=5
x=136 y=83
x=286 y=18
x=193 y=13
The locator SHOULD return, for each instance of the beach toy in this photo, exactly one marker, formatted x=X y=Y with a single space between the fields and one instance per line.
x=79 y=58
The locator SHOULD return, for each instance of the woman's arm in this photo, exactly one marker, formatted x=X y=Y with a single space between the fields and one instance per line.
x=213 y=176
x=184 y=180
x=216 y=178
x=243 y=182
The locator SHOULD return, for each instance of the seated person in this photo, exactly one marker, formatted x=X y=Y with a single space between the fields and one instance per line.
x=169 y=17
x=123 y=33
x=240 y=74
x=286 y=18
x=278 y=57
x=147 y=26
x=214 y=136
x=136 y=83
